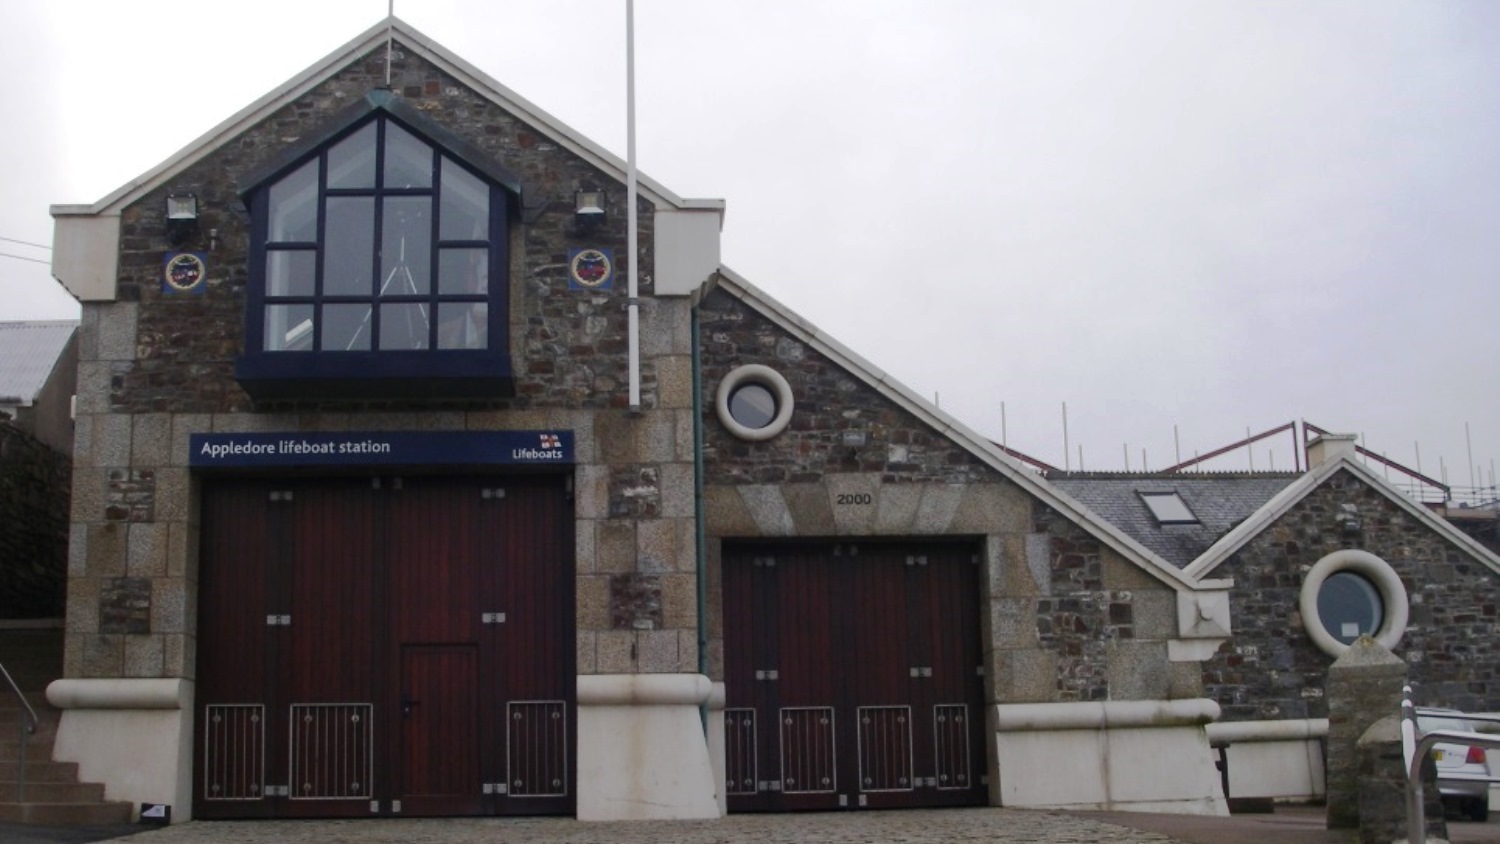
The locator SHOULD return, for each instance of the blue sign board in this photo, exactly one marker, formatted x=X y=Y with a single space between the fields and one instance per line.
x=382 y=448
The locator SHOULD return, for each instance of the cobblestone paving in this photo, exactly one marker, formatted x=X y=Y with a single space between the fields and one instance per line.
x=994 y=826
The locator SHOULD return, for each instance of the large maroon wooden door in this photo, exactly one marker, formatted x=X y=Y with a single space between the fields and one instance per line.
x=852 y=675
x=385 y=646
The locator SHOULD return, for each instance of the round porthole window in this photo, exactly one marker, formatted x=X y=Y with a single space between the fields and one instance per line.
x=754 y=402
x=1349 y=606
x=1349 y=594
x=752 y=405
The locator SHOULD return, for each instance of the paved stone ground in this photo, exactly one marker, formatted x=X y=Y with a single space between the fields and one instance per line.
x=993 y=826
x=1289 y=825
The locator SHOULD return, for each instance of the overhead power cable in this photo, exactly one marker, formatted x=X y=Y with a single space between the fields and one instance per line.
x=24 y=258
x=26 y=243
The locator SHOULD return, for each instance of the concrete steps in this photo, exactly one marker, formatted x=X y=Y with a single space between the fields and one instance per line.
x=65 y=814
x=54 y=796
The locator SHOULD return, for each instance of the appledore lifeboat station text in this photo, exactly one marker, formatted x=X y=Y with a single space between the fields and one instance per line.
x=381 y=448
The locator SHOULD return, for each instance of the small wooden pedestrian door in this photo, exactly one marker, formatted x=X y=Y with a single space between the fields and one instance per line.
x=385 y=645
x=852 y=674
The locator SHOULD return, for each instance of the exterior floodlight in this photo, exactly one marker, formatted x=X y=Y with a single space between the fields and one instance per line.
x=182 y=218
x=589 y=207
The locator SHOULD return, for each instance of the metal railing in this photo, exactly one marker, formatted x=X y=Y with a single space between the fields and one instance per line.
x=1415 y=746
x=26 y=729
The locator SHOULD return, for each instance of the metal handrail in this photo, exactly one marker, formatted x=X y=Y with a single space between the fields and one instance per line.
x=25 y=730
x=1415 y=749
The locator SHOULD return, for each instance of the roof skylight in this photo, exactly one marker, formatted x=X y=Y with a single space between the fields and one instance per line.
x=1169 y=508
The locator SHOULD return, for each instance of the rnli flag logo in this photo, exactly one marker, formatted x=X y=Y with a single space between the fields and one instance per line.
x=550 y=441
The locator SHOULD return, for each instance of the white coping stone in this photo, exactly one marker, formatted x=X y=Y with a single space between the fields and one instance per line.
x=1099 y=715
x=119 y=693
x=643 y=690
x=1289 y=729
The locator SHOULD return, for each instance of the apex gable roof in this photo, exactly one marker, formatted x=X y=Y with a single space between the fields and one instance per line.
x=375 y=38
x=1294 y=493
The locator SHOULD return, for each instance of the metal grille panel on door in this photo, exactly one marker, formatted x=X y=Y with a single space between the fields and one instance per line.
x=537 y=764
x=739 y=751
x=885 y=748
x=951 y=742
x=807 y=750
x=332 y=754
x=234 y=752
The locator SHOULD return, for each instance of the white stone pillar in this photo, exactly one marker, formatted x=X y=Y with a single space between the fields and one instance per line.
x=642 y=752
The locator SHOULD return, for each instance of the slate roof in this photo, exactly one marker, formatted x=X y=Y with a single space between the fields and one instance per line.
x=28 y=354
x=1219 y=501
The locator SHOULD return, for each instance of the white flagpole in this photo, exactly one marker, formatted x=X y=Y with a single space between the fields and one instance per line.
x=390 y=38
x=632 y=252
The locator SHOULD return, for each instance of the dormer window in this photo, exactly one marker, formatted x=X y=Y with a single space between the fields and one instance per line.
x=377 y=271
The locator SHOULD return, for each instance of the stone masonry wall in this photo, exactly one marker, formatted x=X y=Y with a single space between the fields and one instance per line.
x=155 y=369
x=1101 y=623
x=1065 y=618
x=34 y=482
x=840 y=423
x=1272 y=670
x=569 y=348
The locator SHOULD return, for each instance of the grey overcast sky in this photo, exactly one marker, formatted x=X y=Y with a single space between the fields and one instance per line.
x=1217 y=216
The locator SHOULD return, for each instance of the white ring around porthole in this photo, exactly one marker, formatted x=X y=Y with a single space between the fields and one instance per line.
x=754 y=374
x=1380 y=574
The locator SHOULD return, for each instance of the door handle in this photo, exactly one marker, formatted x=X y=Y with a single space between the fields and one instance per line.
x=406 y=705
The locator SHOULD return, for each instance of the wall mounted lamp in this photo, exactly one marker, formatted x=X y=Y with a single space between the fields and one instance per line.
x=182 y=218
x=589 y=207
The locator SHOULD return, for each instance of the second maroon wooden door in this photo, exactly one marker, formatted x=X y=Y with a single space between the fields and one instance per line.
x=852 y=673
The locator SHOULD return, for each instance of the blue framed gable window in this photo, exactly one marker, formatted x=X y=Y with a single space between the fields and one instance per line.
x=378 y=271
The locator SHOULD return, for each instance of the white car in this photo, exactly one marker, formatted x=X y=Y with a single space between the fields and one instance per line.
x=1468 y=798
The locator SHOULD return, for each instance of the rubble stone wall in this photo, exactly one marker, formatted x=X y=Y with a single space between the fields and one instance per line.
x=1270 y=669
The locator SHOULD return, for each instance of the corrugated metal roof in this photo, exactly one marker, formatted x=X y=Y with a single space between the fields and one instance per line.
x=1219 y=502
x=28 y=352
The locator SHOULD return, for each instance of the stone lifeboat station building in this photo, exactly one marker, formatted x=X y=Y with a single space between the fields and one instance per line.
x=368 y=519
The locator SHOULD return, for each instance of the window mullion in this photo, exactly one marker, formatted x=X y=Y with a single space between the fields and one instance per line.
x=317 y=339
x=435 y=250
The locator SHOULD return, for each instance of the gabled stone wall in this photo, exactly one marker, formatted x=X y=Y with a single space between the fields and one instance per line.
x=841 y=425
x=1270 y=669
x=1065 y=618
x=156 y=368
x=568 y=349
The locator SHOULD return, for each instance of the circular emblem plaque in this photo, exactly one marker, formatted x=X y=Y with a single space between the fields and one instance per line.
x=184 y=272
x=590 y=268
